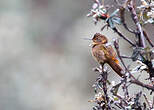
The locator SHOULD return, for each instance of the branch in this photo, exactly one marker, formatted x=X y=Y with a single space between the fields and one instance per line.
x=104 y=81
x=127 y=57
x=130 y=42
x=137 y=82
x=101 y=82
x=146 y=99
x=148 y=39
x=116 y=45
x=122 y=16
x=134 y=81
x=136 y=21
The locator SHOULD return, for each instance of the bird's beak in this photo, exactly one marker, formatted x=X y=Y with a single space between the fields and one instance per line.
x=93 y=43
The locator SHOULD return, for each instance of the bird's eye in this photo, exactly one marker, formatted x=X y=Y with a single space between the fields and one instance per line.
x=98 y=39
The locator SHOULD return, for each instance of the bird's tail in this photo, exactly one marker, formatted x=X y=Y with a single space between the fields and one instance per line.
x=116 y=67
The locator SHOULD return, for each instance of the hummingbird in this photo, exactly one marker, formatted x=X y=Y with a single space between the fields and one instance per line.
x=104 y=53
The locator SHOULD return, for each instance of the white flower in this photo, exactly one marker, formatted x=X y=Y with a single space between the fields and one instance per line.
x=95 y=5
x=113 y=83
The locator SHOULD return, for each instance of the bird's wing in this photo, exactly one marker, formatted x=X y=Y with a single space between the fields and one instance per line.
x=110 y=52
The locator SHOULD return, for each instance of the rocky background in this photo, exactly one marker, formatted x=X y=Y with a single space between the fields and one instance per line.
x=44 y=62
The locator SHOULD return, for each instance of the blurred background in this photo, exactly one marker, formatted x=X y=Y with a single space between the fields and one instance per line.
x=44 y=62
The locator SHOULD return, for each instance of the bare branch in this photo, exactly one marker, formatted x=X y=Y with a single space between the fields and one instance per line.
x=135 y=81
x=122 y=16
x=120 y=34
x=149 y=87
x=146 y=99
x=136 y=21
x=148 y=39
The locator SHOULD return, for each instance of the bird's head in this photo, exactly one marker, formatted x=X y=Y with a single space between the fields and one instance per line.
x=99 y=39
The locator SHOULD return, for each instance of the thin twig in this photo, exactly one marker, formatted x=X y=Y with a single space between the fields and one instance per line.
x=116 y=45
x=122 y=56
x=123 y=100
x=146 y=99
x=122 y=16
x=153 y=102
x=126 y=94
x=148 y=39
x=130 y=42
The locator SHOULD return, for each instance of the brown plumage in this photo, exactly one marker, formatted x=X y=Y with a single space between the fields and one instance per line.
x=105 y=54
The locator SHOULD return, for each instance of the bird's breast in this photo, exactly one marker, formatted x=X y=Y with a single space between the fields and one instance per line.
x=99 y=54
